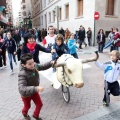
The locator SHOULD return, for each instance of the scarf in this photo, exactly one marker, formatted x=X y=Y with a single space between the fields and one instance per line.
x=31 y=47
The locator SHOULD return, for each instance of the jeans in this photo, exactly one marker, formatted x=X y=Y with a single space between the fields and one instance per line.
x=54 y=56
x=27 y=104
x=89 y=40
x=80 y=43
x=10 y=55
x=115 y=48
x=75 y=55
x=100 y=47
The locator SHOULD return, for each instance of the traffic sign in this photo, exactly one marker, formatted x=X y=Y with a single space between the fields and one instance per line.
x=96 y=16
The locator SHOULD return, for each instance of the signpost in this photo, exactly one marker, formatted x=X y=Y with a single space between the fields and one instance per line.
x=96 y=17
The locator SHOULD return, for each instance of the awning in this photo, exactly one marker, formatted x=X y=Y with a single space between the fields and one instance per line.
x=3 y=19
x=2 y=8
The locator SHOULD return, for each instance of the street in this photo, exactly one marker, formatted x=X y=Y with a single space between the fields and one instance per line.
x=83 y=101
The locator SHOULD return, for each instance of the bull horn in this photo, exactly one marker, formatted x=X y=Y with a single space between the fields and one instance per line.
x=91 y=59
x=60 y=64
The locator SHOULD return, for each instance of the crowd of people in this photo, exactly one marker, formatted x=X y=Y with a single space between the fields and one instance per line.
x=57 y=44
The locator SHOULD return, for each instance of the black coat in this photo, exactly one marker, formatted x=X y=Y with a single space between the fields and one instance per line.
x=38 y=48
x=81 y=34
x=17 y=37
x=99 y=38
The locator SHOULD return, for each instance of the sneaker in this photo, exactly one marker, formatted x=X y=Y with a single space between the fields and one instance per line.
x=37 y=118
x=105 y=104
x=1 y=68
x=5 y=66
x=54 y=69
x=27 y=117
x=11 y=72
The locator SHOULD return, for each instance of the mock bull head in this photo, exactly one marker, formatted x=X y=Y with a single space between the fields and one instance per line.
x=69 y=70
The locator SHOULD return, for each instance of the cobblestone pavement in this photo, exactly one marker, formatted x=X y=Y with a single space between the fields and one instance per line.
x=83 y=101
x=112 y=116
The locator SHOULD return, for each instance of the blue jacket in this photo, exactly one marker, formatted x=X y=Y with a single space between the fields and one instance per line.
x=71 y=45
x=62 y=49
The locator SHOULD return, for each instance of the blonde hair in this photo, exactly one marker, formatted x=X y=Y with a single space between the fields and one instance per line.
x=116 y=53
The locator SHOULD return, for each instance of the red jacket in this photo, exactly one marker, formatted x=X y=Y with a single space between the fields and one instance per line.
x=117 y=35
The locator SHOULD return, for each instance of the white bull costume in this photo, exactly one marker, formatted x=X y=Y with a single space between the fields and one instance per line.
x=69 y=70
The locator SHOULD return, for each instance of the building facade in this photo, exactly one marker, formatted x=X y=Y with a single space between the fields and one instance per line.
x=73 y=13
x=9 y=12
x=26 y=13
x=3 y=13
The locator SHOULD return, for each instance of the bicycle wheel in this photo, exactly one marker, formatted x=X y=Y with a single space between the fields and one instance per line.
x=107 y=93
x=66 y=94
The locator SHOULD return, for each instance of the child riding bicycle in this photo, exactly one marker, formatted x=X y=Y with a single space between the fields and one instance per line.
x=111 y=74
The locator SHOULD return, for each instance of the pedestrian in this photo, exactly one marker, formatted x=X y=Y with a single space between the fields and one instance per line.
x=72 y=46
x=111 y=74
x=67 y=35
x=89 y=35
x=17 y=37
x=81 y=36
x=28 y=84
x=101 y=40
x=49 y=40
x=2 y=53
x=30 y=46
x=59 y=48
x=11 y=49
x=116 y=39
x=111 y=37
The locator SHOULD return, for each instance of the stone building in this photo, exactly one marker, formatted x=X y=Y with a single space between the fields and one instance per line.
x=73 y=13
x=26 y=13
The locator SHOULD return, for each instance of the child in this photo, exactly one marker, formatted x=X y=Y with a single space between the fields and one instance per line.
x=59 y=48
x=111 y=74
x=28 y=84
x=72 y=46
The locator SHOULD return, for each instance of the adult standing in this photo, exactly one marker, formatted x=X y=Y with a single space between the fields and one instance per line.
x=111 y=37
x=49 y=40
x=116 y=39
x=100 y=40
x=67 y=35
x=43 y=33
x=89 y=35
x=11 y=48
x=39 y=36
x=61 y=31
x=2 y=53
x=17 y=37
x=30 y=46
x=81 y=36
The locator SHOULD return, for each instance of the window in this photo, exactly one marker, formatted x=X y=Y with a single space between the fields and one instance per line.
x=24 y=6
x=44 y=3
x=110 y=7
x=60 y=13
x=80 y=7
x=49 y=17
x=53 y=16
x=24 y=13
x=23 y=1
x=67 y=11
x=42 y=20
